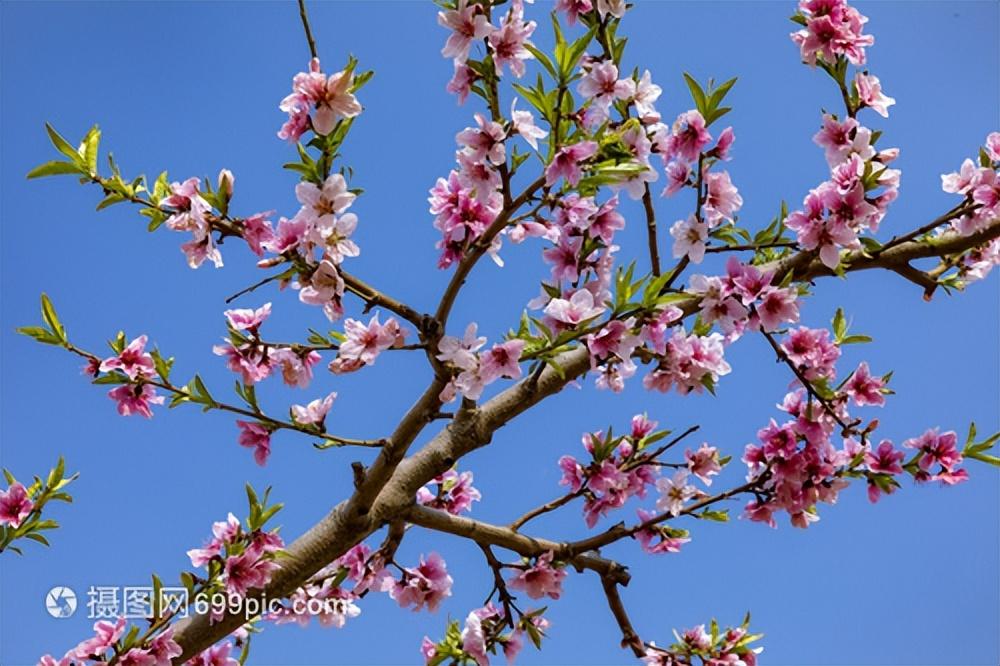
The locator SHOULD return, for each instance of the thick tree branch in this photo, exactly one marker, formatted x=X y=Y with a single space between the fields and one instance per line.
x=504 y=537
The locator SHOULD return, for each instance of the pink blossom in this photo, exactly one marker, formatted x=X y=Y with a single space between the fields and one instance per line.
x=936 y=449
x=508 y=42
x=455 y=493
x=993 y=146
x=135 y=399
x=324 y=287
x=200 y=249
x=812 y=352
x=321 y=202
x=296 y=367
x=248 y=570
x=573 y=474
x=573 y=9
x=865 y=389
x=315 y=412
x=461 y=353
x=602 y=85
x=137 y=657
x=106 y=635
x=425 y=585
x=642 y=425
x=870 y=93
x=777 y=307
x=690 y=363
x=330 y=96
x=722 y=199
x=461 y=81
x=833 y=28
x=703 y=463
x=468 y=24
x=885 y=460
x=690 y=237
x=485 y=142
x=289 y=235
x=665 y=542
x=134 y=361
x=645 y=94
x=255 y=436
x=578 y=308
x=566 y=163
x=724 y=144
x=540 y=579
x=247 y=360
x=217 y=655
x=678 y=173
x=688 y=136
x=15 y=505
x=502 y=361
x=674 y=492
x=257 y=232
x=523 y=123
x=163 y=648
x=365 y=342
x=188 y=207
x=248 y=319
x=615 y=8
x=474 y=639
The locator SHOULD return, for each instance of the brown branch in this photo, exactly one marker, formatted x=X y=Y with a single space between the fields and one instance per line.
x=479 y=248
x=654 y=250
x=630 y=639
x=375 y=298
x=806 y=384
x=504 y=537
x=305 y=26
x=499 y=586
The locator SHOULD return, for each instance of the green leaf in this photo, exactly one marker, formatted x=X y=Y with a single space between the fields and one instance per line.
x=63 y=146
x=839 y=324
x=697 y=94
x=50 y=317
x=55 y=168
x=40 y=334
x=88 y=148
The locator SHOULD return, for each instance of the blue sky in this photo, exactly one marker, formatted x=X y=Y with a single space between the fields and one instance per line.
x=194 y=87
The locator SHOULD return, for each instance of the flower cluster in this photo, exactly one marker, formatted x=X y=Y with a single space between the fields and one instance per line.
x=795 y=463
x=326 y=599
x=980 y=186
x=475 y=370
x=541 y=579
x=714 y=647
x=237 y=559
x=159 y=651
x=318 y=102
x=254 y=360
x=688 y=362
x=485 y=630
x=364 y=342
x=744 y=299
x=832 y=29
x=191 y=211
x=425 y=585
x=839 y=210
x=620 y=468
x=455 y=493
x=135 y=367
x=15 y=505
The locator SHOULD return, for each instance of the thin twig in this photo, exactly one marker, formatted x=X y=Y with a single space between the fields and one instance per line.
x=305 y=25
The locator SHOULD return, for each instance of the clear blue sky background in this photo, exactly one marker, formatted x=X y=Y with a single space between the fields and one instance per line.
x=192 y=87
